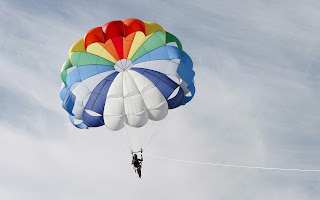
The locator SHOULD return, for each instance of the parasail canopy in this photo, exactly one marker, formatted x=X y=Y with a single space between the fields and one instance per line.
x=125 y=73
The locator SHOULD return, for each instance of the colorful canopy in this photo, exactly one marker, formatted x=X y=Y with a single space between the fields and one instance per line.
x=125 y=72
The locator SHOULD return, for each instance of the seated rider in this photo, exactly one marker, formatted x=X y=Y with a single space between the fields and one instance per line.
x=136 y=162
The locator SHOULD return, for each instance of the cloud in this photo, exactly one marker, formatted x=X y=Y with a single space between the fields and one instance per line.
x=257 y=103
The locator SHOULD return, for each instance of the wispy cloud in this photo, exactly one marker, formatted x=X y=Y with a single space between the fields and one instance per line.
x=257 y=103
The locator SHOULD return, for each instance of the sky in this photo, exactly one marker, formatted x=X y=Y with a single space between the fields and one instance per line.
x=257 y=103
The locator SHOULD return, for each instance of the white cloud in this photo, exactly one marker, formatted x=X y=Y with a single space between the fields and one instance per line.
x=257 y=103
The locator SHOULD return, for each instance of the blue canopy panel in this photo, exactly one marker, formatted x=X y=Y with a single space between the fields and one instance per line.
x=63 y=91
x=81 y=125
x=68 y=102
x=192 y=89
x=165 y=85
x=85 y=71
x=161 y=53
x=97 y=101
x=185 y=71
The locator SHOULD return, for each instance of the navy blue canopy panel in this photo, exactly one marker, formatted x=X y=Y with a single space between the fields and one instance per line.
x=177 y=100
x=185 y=69
x=77 y=75
x=97 y=101
x=165 y=85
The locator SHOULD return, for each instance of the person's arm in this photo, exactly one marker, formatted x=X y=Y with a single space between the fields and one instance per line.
x=141 y=158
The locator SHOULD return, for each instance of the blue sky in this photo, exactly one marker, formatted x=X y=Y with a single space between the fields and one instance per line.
x=257 y=103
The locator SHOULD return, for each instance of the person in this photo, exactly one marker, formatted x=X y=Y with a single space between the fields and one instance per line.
x=136 y=162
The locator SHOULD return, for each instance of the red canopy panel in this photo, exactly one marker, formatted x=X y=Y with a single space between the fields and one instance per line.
x=94 y=35
x=117 y=31
x=118 y=44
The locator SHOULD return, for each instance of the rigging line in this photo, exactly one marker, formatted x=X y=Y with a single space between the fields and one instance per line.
x=175 y=110
x=143 y=132
x=132 y=109
x=150 y=123
x=125 y=85
x=140 y=136
x=155 y=129
x=102 y=115
x=164 y=123
x=137 y=137
x=108 y=129
x=237 y=166
x=123 y=137
x=158 y=127
x=129 y=145
x=123 y=130
x=139 y=140
x=147 y=132
x=120 y=138
x=128 y=141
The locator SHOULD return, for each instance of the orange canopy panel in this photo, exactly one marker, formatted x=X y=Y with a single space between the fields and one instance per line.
x=127 y=42
x=109 y=46
x=118 y=37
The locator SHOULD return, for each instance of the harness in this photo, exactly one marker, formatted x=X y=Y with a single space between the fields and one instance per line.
x=140 y=151
x=140 y=162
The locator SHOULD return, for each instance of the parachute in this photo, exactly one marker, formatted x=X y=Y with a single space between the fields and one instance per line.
x=125 y=74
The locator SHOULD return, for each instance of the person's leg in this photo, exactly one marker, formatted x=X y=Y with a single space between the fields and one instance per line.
x=139 y=171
